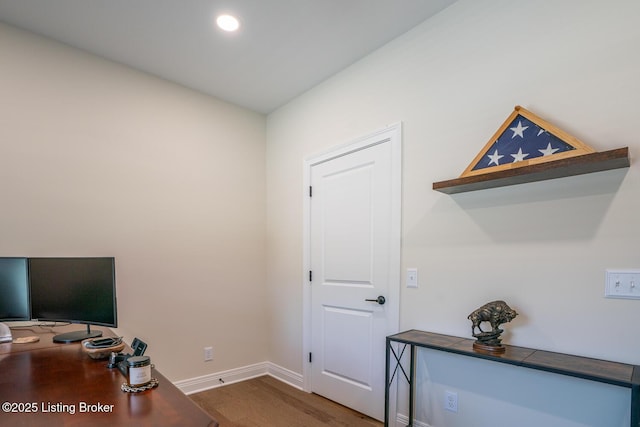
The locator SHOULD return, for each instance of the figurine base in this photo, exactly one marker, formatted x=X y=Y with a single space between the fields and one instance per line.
x=488 y=349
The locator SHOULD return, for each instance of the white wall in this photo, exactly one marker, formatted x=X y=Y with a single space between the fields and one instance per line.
x=543 y=247
x=100 y=160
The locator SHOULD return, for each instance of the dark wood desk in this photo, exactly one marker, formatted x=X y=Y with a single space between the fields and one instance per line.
x=62 y=386
x=604 y=371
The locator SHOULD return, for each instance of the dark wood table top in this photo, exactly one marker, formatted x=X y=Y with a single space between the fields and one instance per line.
x=48 y=384
x=620 y=374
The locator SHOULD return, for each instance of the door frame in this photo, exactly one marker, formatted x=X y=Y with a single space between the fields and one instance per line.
x=392 y=134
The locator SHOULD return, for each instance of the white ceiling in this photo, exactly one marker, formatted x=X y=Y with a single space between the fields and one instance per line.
x=283 y=48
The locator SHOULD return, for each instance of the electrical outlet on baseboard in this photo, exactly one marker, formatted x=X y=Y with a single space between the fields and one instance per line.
x=451 y=401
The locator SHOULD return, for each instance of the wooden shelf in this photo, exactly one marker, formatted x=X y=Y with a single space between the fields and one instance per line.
x=587 y=163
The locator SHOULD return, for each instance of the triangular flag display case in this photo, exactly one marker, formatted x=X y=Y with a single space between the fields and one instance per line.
x=527 y=148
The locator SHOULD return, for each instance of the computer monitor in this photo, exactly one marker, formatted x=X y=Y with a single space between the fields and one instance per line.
x=76 y=290
x=14 y=293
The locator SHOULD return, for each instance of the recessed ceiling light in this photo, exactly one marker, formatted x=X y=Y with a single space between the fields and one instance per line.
x=228 y=22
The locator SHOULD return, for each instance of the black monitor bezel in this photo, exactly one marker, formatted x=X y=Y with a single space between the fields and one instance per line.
x=28 y=289
x=34 y=315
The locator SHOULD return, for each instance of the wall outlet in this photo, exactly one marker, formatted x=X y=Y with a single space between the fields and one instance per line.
x=451 y=401
x=208 y=354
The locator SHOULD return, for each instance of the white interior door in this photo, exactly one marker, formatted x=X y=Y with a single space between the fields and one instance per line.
x=354 y=257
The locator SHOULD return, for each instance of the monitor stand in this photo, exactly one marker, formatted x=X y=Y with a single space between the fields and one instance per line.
x=5 y=333
x=74 y=336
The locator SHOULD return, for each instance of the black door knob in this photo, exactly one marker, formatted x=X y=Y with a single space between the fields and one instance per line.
x=380 y=300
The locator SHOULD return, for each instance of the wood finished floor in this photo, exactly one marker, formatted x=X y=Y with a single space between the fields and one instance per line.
x=268 y=402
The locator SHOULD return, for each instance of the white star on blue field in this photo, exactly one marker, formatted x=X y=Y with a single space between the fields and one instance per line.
x=522 y=140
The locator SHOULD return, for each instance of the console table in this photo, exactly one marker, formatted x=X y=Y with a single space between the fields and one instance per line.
x=60 y=385
x=603 y=371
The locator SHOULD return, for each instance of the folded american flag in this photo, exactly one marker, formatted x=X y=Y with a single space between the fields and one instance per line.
x=525 y=139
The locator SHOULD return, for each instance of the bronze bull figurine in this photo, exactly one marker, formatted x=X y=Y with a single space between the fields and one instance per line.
x=495 y=312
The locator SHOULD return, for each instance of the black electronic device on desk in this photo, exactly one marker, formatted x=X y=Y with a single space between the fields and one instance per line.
x=102 y=348
x=75 y=290
x=119 y=360
x=14 y=294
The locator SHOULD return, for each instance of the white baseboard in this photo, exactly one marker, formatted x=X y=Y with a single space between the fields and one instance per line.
x=209 y=381
x=403 y=420
x=286 y=376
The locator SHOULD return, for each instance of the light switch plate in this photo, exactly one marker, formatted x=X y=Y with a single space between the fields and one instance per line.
x=412 y=277
x=622 y=284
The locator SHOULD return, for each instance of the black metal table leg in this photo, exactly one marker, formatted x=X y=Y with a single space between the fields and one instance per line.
x=412 y=375
x=635 y=406
x=386 y=383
